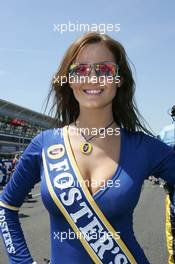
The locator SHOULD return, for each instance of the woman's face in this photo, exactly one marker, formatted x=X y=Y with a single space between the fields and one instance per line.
x=94 y=53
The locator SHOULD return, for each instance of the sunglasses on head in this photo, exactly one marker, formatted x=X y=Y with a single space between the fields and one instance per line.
x=106 y=68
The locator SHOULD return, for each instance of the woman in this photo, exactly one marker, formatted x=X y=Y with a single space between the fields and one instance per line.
x=92 y=167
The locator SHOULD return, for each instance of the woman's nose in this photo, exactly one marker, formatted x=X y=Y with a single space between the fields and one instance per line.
x=92 y=75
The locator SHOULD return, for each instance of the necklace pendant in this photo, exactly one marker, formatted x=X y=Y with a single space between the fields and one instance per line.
x=86 y=148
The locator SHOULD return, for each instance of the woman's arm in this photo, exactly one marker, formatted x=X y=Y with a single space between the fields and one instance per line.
x=26 y=175
x=161 y=160
x=162 y=165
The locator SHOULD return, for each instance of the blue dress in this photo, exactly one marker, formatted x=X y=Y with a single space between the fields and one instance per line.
x=140 y=156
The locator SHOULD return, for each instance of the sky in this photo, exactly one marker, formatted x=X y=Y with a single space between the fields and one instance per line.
x=31 y=48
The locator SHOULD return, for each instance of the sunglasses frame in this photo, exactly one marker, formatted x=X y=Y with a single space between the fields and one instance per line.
x=93 y=66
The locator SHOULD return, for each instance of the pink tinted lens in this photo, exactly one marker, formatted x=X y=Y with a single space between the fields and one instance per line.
x=106 y=69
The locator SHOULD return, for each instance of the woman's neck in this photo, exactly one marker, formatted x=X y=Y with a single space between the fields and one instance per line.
x=94 y=118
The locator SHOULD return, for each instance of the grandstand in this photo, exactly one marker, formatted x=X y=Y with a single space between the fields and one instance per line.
x=18 y=125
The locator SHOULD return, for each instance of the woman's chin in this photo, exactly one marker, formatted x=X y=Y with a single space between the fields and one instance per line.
x=92 y=105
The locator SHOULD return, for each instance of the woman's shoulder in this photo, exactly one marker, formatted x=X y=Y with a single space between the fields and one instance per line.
x=51 y=134
x=151 y=142
x=50 y=131
x=138 y=135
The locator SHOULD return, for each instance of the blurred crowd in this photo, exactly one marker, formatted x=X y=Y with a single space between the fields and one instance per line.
x=7 y=167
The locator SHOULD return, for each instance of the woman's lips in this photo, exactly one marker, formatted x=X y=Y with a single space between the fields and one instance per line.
x=93 y=91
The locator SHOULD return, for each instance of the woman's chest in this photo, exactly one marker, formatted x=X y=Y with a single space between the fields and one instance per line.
x=98 y=166
x=118 y=196
x=113 y=178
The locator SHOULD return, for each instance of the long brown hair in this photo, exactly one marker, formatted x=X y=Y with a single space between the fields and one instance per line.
x=65 y=107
